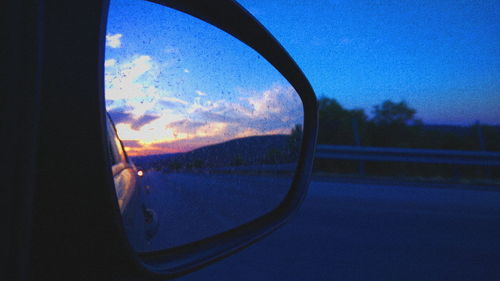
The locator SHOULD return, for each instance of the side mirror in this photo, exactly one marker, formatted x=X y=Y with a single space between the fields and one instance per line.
x=224 y=137
x=217 y=128
x=223 y=131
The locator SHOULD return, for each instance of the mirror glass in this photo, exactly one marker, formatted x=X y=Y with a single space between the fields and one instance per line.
x=204 y=133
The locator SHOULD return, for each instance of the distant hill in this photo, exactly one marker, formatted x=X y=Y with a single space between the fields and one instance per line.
x=146 y=161
x=271 y=149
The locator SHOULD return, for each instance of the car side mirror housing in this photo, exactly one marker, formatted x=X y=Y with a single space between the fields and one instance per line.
x=77 y=184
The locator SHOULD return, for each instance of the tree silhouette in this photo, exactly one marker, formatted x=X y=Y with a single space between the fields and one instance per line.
x=335 y=122
x=391 y=113
x=394 y=124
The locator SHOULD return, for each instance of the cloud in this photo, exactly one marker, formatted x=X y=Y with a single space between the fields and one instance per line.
x=146 y=134
x=114 y=41
x=278 y=99
x=132 y=144
x=185 y=126
x=186 y=70
x=143 y=120
x=121 y=117
x=151 y=120
x=125 y=115
x=169 y=104
x=273 y=109
x=135 y=83
x=172 y=102
x=217 y=117
x=110 y=62
x=195 y=129
x=217 y=110
x=136 y=68
x=124 y=81
x=213 y=129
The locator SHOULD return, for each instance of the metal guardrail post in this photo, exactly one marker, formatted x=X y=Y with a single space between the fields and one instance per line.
x=357 y=140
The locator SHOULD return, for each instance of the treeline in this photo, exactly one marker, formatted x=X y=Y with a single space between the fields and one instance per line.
x=394 y=124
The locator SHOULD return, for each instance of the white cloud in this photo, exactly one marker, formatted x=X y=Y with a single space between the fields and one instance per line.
x=273 y=111
x=278 y=101
x=109 y=62
x=212 y=129
x=173 y=100
x=186 y=70
x=136 y=68
x=200 y=93
x=123 y=84
x=133 y=84
x=114 y=41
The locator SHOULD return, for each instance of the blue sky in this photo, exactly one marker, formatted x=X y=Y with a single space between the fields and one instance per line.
x=442 y=57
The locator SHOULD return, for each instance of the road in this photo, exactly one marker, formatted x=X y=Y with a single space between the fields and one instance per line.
x=195 y=206
x=363 y=231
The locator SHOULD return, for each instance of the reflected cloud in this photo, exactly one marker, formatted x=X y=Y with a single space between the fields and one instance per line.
x=110 y=62
x=172 y=102
x=136 y=123
x=132 y=144
x=218 y=117
x=143 y=120
x=114 y=40
x=151 y=120
x=121 y=117
x=185 y=126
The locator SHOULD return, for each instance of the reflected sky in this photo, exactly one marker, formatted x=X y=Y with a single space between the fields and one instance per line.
x=175 y=83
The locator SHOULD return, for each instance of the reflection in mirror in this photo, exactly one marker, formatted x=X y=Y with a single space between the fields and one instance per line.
x=211 y=130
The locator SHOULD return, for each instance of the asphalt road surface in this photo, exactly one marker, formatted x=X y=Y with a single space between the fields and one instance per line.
x=367 y=231
x=194 y=206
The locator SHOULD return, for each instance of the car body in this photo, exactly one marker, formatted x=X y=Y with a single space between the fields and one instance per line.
x=139 y=221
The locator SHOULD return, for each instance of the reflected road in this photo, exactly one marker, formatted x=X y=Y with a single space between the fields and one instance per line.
x=194 y=206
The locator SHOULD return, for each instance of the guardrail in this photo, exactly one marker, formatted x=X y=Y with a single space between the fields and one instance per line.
x=390 y=154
